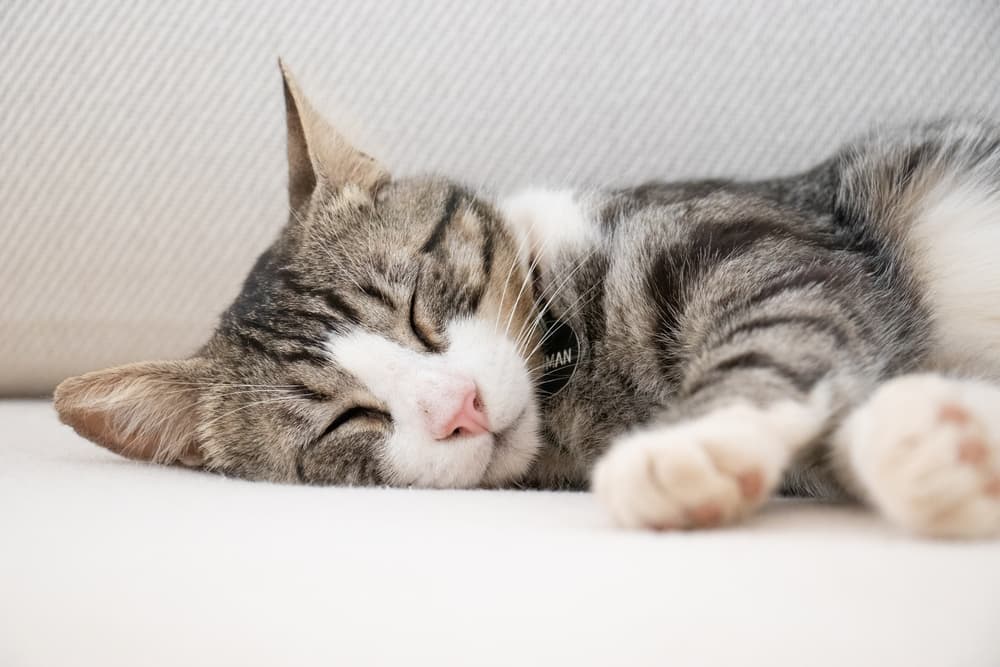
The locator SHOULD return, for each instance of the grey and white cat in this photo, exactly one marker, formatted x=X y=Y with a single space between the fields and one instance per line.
x=688 y=349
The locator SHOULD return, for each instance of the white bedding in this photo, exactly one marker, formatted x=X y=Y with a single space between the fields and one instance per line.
x=107 y=562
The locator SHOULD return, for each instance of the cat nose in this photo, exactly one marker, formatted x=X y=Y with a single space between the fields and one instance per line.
x=462 y=414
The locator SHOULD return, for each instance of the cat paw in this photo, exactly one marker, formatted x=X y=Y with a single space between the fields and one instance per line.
x=703 y=472
x=927 y=451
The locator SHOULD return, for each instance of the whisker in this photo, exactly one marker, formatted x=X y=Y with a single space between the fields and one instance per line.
x=510 y=272
x=524 y=282
x=583 y=300
x=143 y=396
x=576 y=306
x=252 y=404
x=208 y=383
x=562 y=285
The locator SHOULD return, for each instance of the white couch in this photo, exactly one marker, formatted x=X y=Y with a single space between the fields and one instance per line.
x=141 y=170
x=109 y=562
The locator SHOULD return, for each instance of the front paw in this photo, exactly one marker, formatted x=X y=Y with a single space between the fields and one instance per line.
x=927 y=449
x=703 y=472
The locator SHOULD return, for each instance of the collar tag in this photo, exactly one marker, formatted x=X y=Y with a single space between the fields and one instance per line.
x=560 y=355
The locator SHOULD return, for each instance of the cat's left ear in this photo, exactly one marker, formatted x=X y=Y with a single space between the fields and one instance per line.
x=145 y=411
x=317 y=151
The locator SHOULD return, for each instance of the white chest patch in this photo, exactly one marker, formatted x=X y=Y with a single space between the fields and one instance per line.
x=549 y=221
x=957 y=236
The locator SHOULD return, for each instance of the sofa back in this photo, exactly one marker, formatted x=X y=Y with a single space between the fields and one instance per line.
x=142 y=146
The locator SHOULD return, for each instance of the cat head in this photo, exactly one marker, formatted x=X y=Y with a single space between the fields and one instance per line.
x=386 y=337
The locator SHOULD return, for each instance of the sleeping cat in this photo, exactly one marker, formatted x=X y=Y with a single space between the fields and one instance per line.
x=687 y=349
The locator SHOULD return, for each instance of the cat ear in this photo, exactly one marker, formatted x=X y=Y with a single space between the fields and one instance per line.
x=145 y=411
x=316 y=150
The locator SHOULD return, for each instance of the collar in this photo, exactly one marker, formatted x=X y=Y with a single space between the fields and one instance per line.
x=560 y=354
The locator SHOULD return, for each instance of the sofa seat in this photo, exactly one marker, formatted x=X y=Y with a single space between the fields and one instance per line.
x=110 y=562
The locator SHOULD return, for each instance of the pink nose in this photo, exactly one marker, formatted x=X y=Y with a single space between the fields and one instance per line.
x=465 y=416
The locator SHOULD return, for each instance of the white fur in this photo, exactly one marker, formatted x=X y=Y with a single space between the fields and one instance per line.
x=703 y=471
x=549 y=221
x=906 y=447
x=412 y=383
x=956 y=238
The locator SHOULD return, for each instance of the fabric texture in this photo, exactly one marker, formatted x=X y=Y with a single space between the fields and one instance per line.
x=142 y=144
x=110 y=562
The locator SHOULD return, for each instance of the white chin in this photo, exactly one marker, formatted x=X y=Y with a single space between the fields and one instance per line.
x=514 y=451
x=486 y=461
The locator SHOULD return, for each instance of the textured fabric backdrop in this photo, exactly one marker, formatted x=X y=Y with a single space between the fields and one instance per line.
x=142 y=144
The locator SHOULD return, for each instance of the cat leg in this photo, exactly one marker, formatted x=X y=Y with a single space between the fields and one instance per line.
x=708 y=470
x=760 y=370
x=925 y=451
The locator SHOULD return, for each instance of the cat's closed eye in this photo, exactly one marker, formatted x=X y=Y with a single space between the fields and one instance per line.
x=356 y=413
x=419 y=330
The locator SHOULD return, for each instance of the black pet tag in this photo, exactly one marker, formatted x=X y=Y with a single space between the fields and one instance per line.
x=561 y=354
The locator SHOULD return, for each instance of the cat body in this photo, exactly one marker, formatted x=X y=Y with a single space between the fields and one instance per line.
x=688 y=349
x=806 y=265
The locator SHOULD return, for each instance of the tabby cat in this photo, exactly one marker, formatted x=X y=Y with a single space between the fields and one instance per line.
x=688 y=350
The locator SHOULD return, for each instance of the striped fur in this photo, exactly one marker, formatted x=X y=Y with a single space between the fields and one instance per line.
x=735 y=338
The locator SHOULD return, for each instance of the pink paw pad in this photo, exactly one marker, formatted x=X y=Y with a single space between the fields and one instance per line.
x=954 y=413
x=708 y=514
x=973 y=450
x=751 y=484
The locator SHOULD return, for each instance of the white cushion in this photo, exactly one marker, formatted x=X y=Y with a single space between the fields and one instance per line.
x=109 y=562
